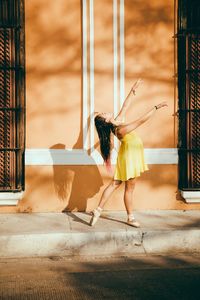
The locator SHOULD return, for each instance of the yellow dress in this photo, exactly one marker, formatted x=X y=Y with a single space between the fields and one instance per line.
x=130 y=159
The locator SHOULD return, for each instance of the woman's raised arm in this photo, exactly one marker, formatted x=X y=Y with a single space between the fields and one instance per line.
x=126 y=128
x=127 y=101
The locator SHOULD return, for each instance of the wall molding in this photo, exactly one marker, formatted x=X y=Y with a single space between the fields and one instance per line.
x=115 y=63
x=84 y=73
x=122 y=52
x=50 y=157
x=191 y=196
x=159 y=156
x=9 y=198
x=92 y=88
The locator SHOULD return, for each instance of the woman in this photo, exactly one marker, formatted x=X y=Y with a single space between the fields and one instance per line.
x=130 y=160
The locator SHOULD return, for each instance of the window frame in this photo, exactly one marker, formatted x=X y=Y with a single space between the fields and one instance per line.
x=12 y=106
x=188 y=48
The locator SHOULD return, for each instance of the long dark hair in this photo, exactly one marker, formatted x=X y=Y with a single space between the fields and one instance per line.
x=104 y=130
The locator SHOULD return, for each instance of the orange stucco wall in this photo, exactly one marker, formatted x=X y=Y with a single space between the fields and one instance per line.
x=55 y=100
x=54 y=189
x=53 y=61
x=149 y=48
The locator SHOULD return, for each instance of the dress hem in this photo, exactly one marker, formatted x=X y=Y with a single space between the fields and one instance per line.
x=130 y=177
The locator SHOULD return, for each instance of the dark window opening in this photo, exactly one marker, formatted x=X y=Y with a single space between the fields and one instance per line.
x=12 y=95
x=189 y=93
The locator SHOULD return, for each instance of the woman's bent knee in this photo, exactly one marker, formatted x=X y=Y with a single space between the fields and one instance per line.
x=116 y=183
x=130 y=185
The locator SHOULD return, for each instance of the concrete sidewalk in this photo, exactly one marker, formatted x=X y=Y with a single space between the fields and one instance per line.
x=68 y=234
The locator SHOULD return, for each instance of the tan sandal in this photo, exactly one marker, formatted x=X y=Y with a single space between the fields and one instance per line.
x=133 y=222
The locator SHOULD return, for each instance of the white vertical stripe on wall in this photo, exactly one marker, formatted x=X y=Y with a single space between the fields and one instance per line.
x=115 y=63
x=115 y=57
x=84 y=73
x=122 y=57
x=91 y=9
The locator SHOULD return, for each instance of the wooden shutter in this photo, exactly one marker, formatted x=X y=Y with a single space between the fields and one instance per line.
x=12 y=95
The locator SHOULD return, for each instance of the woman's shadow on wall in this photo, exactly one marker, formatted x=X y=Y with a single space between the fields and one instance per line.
x=75 y=184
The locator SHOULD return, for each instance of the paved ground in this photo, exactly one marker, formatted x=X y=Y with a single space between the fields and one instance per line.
x=67 y=234
x=118 y=278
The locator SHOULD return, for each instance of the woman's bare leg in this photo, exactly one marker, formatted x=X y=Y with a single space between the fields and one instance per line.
x=128 y=201
x=128 y=195
x=108 y=191
x=104 y=198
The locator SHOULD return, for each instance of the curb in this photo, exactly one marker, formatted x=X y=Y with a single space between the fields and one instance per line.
x=100 y=243
x=56 y=234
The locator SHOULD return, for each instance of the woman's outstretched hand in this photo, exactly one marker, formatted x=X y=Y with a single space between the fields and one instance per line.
x=162 y=104
x=136 y=85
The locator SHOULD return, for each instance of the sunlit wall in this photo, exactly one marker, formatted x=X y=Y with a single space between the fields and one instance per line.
x=55 y=92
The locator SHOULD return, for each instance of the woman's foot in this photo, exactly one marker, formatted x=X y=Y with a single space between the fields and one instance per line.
x=95 y=216
x=132 y=221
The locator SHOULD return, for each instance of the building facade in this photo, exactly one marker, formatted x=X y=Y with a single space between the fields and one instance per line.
x=69 y=58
